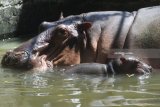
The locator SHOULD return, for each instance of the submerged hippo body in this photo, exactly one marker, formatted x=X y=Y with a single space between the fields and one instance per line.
x=122 y=65
x=91 y=37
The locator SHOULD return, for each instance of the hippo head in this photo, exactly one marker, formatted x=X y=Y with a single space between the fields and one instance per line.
x=66 y=42
x=15 y=59
x=130 y=65
x=53 y=47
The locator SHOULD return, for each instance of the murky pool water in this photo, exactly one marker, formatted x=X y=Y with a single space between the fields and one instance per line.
x=28 y=89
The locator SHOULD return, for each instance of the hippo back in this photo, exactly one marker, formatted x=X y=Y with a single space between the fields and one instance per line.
x=108 y=31
x=144 y=35
x=145 y=29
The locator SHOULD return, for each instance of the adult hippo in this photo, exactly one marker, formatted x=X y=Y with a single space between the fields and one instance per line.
x=136 y=32
x=90 y=37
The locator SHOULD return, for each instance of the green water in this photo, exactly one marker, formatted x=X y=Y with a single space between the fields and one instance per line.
x=19 y=89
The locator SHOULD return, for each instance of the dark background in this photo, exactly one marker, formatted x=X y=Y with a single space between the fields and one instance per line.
x=36 y=11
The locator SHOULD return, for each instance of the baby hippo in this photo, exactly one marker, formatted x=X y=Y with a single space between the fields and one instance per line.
x=122 y=65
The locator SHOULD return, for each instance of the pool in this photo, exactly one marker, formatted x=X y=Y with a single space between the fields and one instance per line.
x=53 y=89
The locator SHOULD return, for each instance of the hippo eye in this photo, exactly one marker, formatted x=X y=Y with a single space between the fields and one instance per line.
x=61 y=32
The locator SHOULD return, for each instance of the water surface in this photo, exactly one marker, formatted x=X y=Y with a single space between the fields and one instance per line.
x=52 y=89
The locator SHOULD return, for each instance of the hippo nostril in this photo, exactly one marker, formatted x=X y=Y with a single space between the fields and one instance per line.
x=7 y=61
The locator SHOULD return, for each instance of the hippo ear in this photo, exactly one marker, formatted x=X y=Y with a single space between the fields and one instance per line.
x=61 y=16
x=84 y=25
x=123 y=59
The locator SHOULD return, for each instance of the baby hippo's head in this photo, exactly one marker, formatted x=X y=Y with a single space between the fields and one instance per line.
x=122 y=65
x=130 y=65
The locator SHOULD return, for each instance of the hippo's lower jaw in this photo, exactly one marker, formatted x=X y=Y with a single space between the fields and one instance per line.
x=131 y=65
x=16 y=59
x=141 y=69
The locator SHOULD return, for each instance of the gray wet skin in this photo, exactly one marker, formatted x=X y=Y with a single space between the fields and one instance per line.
x=71 y=40
x=123 y=65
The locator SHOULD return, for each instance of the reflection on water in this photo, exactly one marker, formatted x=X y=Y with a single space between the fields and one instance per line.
x=52 y=89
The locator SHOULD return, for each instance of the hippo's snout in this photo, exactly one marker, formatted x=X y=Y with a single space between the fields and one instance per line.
x=15 y=59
